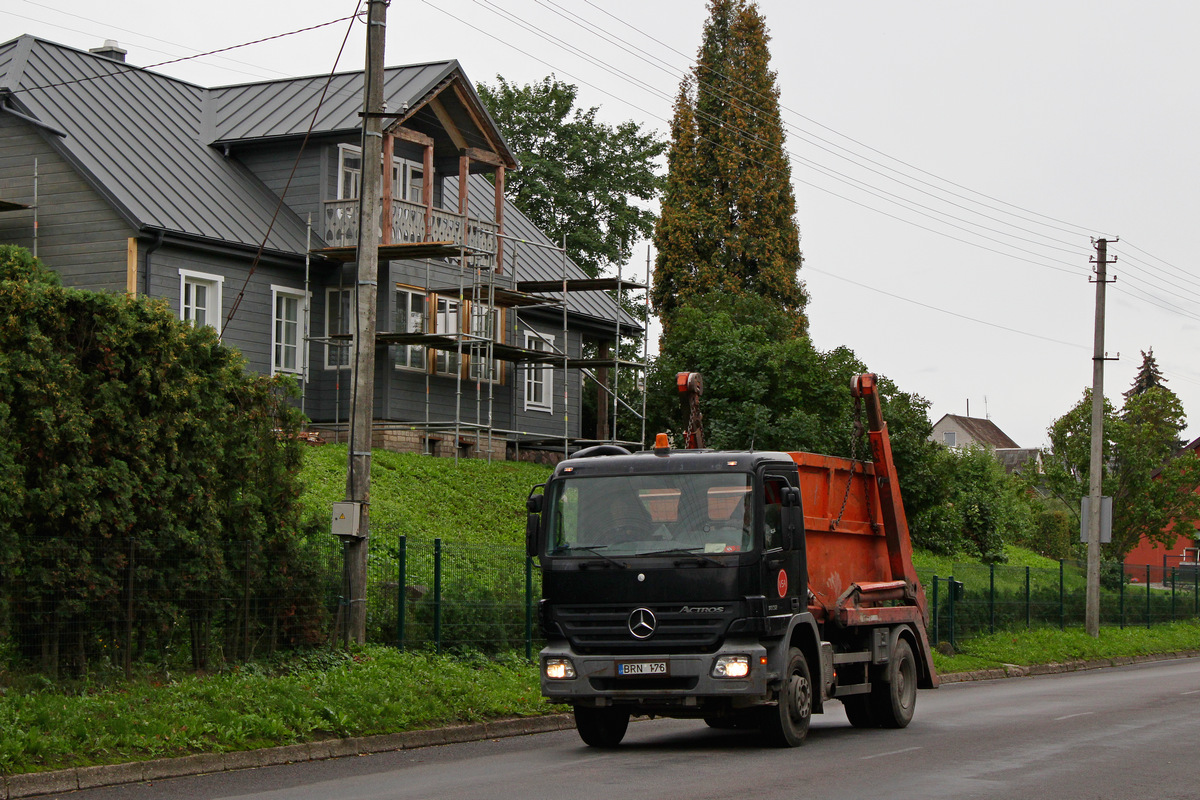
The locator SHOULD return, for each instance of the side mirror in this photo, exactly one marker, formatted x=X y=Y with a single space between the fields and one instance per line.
x=792 y=518
x=533 y=522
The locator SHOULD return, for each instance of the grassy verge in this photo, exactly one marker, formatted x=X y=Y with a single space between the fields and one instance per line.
x=1052 y=646
x=327 y=695
x=378 y=690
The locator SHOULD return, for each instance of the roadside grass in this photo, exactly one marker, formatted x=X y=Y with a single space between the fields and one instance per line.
x=1054 y=646
x=329 y=695
x=376 y=689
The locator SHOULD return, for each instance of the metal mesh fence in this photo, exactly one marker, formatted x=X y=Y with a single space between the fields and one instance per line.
x=978 y=598
x=128 y=604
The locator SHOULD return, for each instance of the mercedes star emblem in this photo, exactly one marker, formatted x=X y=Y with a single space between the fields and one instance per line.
x=642 y=623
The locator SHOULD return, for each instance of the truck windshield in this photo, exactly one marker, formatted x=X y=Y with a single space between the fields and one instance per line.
x=649 y=514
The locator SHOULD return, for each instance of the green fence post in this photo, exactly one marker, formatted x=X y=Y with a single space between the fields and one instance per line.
x=1122 y=591
x=1062 y=595
x=1027 y=597
x=936 y=638
x=437 y=595
x=528 y=608
x=992 y=598
x=1174 y=574
x=1147 y=595
x=401 y=580
x=950 y=593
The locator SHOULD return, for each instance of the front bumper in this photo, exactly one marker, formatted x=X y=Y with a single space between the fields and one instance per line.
x=688 y=677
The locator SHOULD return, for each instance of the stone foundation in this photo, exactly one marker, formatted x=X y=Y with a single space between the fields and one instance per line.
x=436 y=443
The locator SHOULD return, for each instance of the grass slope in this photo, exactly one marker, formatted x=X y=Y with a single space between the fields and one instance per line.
x=471 y=502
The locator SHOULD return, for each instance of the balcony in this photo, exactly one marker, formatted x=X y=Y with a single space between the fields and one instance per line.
x=408 y=226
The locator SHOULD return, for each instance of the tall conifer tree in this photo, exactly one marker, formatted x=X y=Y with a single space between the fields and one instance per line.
x=728 y=214
x=1148 y=377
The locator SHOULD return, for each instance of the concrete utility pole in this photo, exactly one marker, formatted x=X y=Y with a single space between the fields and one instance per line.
x=362 y=404
x=1096 y=476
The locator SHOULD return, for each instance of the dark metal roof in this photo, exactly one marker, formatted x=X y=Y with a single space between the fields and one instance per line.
x=139 y=137
x=145 y=141
x=285 y=107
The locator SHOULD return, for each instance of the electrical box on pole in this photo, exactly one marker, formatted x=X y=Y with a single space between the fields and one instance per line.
x=346 y=519
x=1085 y=504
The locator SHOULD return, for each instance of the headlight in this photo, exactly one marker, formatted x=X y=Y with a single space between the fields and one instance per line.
x=731 y=667
x=559 y=669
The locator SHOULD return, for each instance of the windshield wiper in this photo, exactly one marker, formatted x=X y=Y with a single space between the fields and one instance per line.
x=691 y=551
x=594 y=549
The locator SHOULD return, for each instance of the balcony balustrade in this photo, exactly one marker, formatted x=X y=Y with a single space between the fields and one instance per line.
x=408 y=226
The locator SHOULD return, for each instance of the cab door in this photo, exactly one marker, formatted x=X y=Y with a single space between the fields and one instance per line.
x=784 y=583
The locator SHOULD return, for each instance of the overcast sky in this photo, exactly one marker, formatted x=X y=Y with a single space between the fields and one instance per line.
x=951 y=161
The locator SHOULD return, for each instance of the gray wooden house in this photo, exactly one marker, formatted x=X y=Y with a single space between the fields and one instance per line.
x=238 y=206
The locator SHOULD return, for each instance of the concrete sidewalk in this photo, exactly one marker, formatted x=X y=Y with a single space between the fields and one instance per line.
x=67 y=780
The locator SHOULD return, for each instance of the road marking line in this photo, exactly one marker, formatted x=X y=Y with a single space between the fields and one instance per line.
x=1069 y=716
x=892 y=753
x=1193 y=691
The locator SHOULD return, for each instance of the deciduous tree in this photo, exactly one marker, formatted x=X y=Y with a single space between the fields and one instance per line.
x=1150 y=481
x=579 y=177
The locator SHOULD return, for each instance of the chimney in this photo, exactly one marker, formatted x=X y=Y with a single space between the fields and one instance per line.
x=110 y=50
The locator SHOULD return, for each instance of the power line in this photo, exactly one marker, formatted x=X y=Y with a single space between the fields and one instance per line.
x=624 y=76
x=1076 y=228
x=137 y=33
x=877 y=290
x=131 y=70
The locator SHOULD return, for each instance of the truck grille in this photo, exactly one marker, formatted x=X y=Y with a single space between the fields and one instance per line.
x=605 y=629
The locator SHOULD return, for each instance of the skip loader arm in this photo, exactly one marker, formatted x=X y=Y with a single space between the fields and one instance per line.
x=895 y=523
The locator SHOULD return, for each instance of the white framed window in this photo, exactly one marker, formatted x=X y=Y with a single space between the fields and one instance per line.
x=200 y=298
x=447 y=323
x=287 y=332
x=349 y=172
x=948 y=438
x=486 y=324
x=539 y=380
x=408 y=177
x=410 y=318
x=338 y=313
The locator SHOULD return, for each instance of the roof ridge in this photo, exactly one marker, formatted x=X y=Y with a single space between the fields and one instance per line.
x=325 y=75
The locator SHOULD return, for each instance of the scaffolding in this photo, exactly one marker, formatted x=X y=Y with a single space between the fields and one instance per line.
x=478 y=337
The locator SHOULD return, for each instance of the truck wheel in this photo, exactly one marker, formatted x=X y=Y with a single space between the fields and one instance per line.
x=601 y=727
x=893 y=702
x=786 y=724
x=860 y=711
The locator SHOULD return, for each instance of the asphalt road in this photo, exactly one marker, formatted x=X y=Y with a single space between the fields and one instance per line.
x=1128 y=732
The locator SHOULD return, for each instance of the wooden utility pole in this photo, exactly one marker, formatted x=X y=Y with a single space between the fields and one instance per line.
x=1096 y=476
x=362 y=404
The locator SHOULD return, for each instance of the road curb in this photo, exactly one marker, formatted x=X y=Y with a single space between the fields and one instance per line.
x=1017 y=671
x=34 y=784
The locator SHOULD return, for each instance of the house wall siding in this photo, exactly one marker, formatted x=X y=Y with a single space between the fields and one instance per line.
x=250 y=328
x=80 y=235
x=273 y=165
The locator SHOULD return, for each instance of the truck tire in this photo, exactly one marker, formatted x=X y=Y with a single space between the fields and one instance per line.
x=786 y=724
x=860 y=711
x=601 y=727
x=893 y=702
